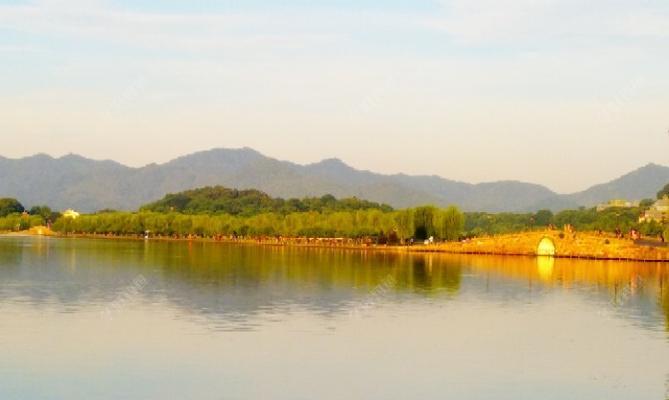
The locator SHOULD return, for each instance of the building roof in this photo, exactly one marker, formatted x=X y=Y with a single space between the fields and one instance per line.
x=70 y=213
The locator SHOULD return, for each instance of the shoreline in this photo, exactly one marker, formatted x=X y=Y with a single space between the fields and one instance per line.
x=583 y=245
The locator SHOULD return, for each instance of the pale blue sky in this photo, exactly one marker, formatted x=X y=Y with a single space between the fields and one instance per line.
x=564 y=93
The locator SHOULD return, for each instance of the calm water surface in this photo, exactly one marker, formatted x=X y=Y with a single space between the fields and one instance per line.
x=96 y=319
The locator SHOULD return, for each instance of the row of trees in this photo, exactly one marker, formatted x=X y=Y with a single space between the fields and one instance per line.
x=15 y=217
x=419 y=223
x=215 y=211
x=583 y=219
x=9 y=206
x=392 y=226
x=19 y=222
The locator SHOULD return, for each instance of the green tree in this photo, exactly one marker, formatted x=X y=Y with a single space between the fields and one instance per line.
x=404 y=223
x=543 y=217
x=18 y=222
x=646 y=203
x=450 y=223
x=10 y=206
x=499 y=223
x=663 y=192
x=423 y=218
x=652 y=228
x=42 y=211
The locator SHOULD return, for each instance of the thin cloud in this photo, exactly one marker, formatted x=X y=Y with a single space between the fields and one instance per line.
x=495 y=21
x=466 y=22
x=158 y=30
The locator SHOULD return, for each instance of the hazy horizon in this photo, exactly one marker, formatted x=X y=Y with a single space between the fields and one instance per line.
x=559 y=93
x=317 y=161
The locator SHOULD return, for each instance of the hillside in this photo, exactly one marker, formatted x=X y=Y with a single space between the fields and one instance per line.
x=89 y=185
x=222 y=200
x=642 y=183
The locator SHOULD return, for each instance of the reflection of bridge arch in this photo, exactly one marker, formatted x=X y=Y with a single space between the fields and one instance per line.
x=545 y=266
x=546 y=247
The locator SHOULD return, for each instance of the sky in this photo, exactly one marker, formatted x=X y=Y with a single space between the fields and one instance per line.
x=561 y=93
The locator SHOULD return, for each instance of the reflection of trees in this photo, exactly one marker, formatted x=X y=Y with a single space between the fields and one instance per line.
x=228 y=280
x=320 y=269
x=10 y=254
x=421 y=273
x=429 y=273
x=221 y=279
x=663 y=299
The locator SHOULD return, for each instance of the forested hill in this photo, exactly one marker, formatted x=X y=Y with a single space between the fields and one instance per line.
x=222 y=200
x=88 y=185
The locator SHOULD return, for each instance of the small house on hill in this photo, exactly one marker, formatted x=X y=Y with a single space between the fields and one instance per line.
x=70 y=213
x=617 y=203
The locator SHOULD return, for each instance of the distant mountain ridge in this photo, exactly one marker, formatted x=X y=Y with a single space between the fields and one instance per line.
x=76 y=182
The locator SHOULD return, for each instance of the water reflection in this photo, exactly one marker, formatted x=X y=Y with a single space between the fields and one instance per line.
x=132 y=319
x=231 y=282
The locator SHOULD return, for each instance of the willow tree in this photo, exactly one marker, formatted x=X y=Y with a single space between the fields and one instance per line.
x=404 y=223
x=449 y=223
x=423 y=218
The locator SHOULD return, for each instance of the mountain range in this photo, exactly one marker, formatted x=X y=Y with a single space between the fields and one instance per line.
x=88 y=185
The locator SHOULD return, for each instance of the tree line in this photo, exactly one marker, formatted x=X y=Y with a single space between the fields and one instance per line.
x=15 y=217
x=397 y=226
x=582 y=219
x=216 y=211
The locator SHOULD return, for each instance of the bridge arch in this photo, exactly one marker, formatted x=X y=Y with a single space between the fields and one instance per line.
x=546 y=247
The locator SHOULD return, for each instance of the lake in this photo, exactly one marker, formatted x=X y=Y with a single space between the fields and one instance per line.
x=108 y=319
